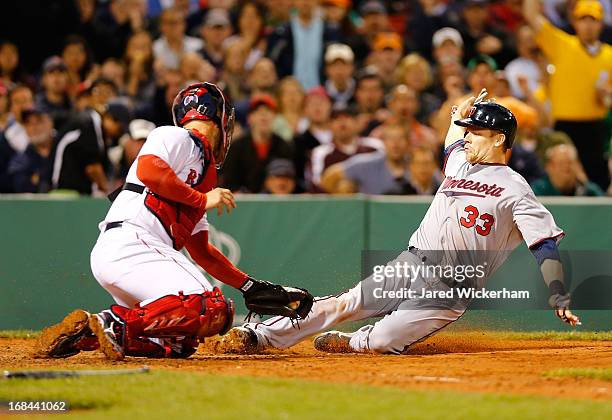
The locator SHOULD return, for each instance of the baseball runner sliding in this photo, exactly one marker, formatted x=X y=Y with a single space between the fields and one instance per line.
x=482 y=207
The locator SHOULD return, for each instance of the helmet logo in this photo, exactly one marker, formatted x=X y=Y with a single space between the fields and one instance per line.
x=189 y=99
x=472 y=111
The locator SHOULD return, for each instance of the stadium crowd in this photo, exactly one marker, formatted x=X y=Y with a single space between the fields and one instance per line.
x=331 y=96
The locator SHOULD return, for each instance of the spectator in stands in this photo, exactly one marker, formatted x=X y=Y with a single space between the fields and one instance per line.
x=429 y=17
x=527 y=65
x=30 y=171
x=523 y=157
x=233 y=75
x=280 y=177
x=216 y=28
x=114 y=69
x=245 y=167
x=10 y=72
x=262 y=79
x=396 y=170
x=78 y=60
x=297 y=47
x=317 y=111
x=124 y=153
x=278 y=11
x=53 y=99
x=339 y=68
x=194 y=68
x=415 y=72
x=102 y=90
x=109 y=28
x=140 y=80
x=14 y=139
x=137 y=134
x=173 y=42
x=375 y=20
x=580 y=88
x=369 y=99
x=385 y=56
x=403 y=105
x=507 y=15
x=168 y=85
x=79 y=158
x=291 y=105
x=9 y=59
x=338 y=16
x=448 y=66
x=345 y=143
x=479 y=37
x=564 y=174
x=447 y=45
x=251 y=31
x=481 y=75
x=382 y=172
x=424 y=176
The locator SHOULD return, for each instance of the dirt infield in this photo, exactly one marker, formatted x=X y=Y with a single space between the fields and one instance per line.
x=472 y=362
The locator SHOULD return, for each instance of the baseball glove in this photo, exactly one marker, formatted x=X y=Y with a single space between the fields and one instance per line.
x=265 y=298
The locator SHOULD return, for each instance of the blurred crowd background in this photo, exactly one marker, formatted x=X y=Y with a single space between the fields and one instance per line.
x=331 y=96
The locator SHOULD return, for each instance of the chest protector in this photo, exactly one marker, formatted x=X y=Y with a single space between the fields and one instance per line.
x=179 y=219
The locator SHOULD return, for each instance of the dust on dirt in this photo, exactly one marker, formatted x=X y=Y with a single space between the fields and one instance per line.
x=470 y=362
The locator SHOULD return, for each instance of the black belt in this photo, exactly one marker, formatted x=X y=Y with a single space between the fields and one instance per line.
x=129 y=186
x=112 y=225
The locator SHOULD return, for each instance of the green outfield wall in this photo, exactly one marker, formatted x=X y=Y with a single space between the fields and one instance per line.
x=312 y=241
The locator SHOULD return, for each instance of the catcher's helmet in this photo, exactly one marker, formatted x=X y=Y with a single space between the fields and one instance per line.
x=205 y=101
x=493 y=116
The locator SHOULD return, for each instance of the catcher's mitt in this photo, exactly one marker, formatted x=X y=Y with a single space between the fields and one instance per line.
x=265 y=298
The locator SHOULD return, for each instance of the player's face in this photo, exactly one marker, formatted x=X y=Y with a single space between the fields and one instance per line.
x=480 y=144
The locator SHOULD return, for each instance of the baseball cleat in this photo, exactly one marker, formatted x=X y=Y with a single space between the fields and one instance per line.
x=59 y=340
x=104 y=326
x=238 y=340
x=333 y=342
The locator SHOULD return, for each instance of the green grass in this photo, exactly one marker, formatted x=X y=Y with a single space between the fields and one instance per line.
x=18 y=333
x=510 y=335
x=163 y=394
x=604 y=374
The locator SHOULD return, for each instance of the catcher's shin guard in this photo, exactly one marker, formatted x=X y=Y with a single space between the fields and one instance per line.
x=194 y=316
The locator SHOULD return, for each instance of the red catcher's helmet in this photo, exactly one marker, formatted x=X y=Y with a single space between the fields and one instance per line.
x=205 y=101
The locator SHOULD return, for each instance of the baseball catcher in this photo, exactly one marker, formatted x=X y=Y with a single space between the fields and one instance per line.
x=164 y=305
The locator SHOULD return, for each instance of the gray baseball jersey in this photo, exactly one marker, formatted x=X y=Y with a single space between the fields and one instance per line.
x=483 y=207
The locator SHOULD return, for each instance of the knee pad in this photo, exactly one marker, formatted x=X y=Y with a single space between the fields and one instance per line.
x=195 y=315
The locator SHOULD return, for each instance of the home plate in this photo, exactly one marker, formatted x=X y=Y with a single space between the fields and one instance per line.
x=435 y=379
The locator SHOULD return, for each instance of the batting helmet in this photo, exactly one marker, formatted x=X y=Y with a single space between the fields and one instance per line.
x=493 y=116
x=205 y=101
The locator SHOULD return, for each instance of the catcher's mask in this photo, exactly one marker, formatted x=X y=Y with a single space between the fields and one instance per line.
x=205 y=101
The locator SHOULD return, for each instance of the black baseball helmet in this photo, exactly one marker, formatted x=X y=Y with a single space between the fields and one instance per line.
x=493 y=116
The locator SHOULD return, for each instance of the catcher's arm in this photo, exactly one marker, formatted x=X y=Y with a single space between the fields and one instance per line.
x=547 y=255
x=213 y=261
x=260 y=297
